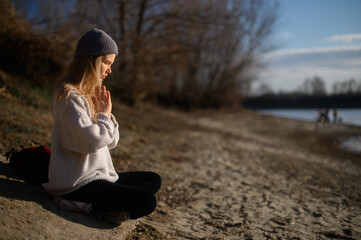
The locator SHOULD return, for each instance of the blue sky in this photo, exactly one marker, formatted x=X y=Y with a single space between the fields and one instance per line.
x=314 y=37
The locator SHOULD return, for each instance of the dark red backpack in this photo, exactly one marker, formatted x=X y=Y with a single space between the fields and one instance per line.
x=33 y=163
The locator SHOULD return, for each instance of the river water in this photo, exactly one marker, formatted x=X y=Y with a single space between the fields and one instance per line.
x=350 y=116
x=344 y=115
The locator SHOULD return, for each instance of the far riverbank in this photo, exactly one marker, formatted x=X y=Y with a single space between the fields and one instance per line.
x=348 y=116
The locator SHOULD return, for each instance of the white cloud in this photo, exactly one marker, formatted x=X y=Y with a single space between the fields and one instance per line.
x=344 y=38
x=280 y=53
x=287 y=35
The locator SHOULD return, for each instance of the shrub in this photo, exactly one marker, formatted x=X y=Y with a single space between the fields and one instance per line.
x=25 y=53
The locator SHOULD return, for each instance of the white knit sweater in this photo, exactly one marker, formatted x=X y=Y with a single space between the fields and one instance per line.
x=80 y=147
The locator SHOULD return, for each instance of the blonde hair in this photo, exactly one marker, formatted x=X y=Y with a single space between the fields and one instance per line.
x=83 y=75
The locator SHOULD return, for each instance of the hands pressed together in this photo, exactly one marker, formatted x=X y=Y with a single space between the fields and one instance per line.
x=102 y=100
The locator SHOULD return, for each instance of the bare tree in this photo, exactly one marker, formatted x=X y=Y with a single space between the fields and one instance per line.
x=214 y=43
x=264 y=89
x=314 y=87
x=349 y=86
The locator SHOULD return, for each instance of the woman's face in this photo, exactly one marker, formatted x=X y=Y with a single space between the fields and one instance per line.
x=106 y=64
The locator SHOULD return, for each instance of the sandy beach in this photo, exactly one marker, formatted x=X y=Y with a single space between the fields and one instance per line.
x=227 y=174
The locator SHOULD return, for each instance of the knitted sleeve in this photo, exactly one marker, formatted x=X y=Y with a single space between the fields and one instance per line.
x=115 y=133
x=84 y=136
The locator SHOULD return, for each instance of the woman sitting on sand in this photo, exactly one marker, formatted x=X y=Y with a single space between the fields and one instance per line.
x=84 y=130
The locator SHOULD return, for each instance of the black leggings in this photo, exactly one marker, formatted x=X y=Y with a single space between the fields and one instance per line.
x=132 y=193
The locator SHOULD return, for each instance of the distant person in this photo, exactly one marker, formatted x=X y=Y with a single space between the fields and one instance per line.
x=335 y=115
x=323 y=116
x=81 y=170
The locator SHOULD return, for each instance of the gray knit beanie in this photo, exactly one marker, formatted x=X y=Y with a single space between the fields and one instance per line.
x=95 y=42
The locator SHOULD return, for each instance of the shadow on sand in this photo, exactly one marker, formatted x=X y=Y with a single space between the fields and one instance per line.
x=15 y=186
